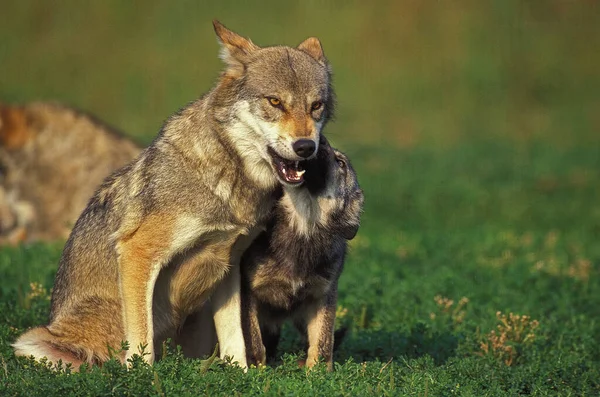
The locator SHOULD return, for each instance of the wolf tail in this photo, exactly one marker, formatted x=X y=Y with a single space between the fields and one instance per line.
x=40 y=342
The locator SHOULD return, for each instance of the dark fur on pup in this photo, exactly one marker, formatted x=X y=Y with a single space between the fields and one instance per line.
x=292 y=269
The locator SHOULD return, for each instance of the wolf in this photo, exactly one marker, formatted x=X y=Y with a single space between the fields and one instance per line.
x=291 y=270
x=52 y=158
x=167 y=231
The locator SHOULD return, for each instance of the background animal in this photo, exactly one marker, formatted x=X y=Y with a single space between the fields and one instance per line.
x=52 y=159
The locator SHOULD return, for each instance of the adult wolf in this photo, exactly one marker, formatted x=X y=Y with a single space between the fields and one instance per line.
x=166 y=232
x=52 y=159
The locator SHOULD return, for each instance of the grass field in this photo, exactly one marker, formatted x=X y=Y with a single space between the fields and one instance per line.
x=475 y=131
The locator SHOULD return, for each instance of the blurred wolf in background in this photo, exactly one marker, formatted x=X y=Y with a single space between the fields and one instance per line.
x=52 y=159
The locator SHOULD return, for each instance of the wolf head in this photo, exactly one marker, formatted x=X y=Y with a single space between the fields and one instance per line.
x=353 y=198
x=281 y=96
x=330 y=195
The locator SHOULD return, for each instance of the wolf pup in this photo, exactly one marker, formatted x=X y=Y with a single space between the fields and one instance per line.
x=167 y=231
x=52 y=159
x=292 y=269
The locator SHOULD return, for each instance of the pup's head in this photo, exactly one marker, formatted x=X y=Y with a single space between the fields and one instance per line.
x=331 y=179
x=282 y=94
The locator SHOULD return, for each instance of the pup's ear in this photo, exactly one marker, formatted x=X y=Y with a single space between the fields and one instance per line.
x=235 y=49
x=312 y=46
x=349 y=231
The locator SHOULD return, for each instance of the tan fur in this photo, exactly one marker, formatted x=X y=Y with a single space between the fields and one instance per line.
x=298 y=126
x=164 y=234
x=13 y=128
x=235 y=50
x=69 y=342
x=312 y=46
x=320 y=327
x=141 y=255
x=15 y=217
x=52 y=158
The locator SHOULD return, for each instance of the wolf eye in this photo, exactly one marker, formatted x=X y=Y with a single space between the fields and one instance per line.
x=341 y=163
x=275 y=102
x=316 y=105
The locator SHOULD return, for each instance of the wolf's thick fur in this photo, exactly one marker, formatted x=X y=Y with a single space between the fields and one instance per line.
x=292 y=269
x=52 y=158
x=165 y=232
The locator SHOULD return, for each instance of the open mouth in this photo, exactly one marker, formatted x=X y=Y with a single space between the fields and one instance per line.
x=291 y=172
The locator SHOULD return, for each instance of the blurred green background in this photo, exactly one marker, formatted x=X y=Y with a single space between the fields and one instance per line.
x=474 y=127
x=461 y=114
x=407 y=73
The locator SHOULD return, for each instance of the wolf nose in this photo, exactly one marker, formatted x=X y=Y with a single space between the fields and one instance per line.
x=304 y=147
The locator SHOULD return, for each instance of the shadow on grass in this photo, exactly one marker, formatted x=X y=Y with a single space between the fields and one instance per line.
x=369 y=345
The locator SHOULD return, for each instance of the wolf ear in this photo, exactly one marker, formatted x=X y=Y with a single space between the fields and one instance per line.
x=235 y=49
x=312 y=46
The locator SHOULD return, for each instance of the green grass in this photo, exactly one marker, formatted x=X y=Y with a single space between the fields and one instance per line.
x=474 y=129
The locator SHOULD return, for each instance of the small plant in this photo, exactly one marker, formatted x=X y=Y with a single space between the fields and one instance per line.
x=340 y=313
x=581 y=269
x=342 y=320
x=36 y=292
x=509 y=338
x=447 y=309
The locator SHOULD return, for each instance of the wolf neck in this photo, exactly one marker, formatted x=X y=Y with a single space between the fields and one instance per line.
x=245 y=136
x=302 y=209
x=237 y=125
x=210 y=123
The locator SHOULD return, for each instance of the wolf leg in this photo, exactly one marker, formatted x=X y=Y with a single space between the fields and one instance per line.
x=255 y=349
x=198 y=336
x=227 y=314
x=320 y=320
x=141 y=256
x=271 y=336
